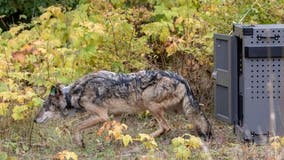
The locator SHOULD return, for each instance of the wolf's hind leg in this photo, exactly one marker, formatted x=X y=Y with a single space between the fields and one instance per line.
x=163 y=125
x=101 y=116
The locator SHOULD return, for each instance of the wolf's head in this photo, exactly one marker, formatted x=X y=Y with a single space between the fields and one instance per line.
x=203 y=126
x=53 y=106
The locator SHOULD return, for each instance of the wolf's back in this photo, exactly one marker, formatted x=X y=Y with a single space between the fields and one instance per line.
x=109 y=84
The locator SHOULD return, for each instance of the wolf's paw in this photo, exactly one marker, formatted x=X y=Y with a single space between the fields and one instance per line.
x=79 y=140
x=82 y=144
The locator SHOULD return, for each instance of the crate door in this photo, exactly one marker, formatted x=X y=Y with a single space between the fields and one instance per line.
x=226 y=77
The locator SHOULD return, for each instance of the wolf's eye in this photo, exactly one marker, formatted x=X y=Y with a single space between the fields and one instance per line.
x=53 y=104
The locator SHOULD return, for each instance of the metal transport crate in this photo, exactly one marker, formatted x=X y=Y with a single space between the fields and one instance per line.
x=249 y=80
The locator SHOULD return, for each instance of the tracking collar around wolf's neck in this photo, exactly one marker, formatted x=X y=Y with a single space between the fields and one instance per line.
x=67 y=96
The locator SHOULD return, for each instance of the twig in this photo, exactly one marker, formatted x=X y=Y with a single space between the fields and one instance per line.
x=31 y=133
x=187 y=17
x=7 y=62
x=244 y=16
x=3 y=22
x=246 y=13
x=114 y=37
x=47 y=62
x=130 y=44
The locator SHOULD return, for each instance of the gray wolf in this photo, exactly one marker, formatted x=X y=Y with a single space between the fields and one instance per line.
x=104 y=93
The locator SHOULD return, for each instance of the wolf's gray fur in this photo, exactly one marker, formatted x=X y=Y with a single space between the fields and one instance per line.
x=103 y=93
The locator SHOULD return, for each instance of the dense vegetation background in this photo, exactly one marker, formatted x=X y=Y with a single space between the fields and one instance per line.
x=46 y=42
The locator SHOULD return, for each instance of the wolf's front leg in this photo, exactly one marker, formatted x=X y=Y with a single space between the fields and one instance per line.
x=90 y=122
x=163 y=125
x=99 y=115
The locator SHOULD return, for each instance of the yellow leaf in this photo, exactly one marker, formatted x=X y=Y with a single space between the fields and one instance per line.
x=93 y=27
x=116 y=134
x=66 y=155
x=58 y=131
x=179 y=20
x=150 y=144
x=19 y=112
x=275 y=145
x=182 y=152
x=126 y=139
x=148 y=141
x=6 y=95
x=193 y=142
x=3 y=108
x=29 y=89
x=124 y=126
x=21 y=99
x=275 y=138
x=117 y=129
x=178 y=141
x=16 y=29
x=12 y=158
x=56 y=11
x=45 y=16
x=281 y=141
x=171 y=49
x=190 y=126
x=144 y=136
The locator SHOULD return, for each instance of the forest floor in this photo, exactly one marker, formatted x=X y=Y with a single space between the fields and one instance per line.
x=55 y=136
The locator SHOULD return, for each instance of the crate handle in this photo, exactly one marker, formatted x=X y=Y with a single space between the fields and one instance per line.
x=260 y=37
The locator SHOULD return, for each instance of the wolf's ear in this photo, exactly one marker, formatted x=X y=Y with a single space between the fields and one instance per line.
x=55 y=91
